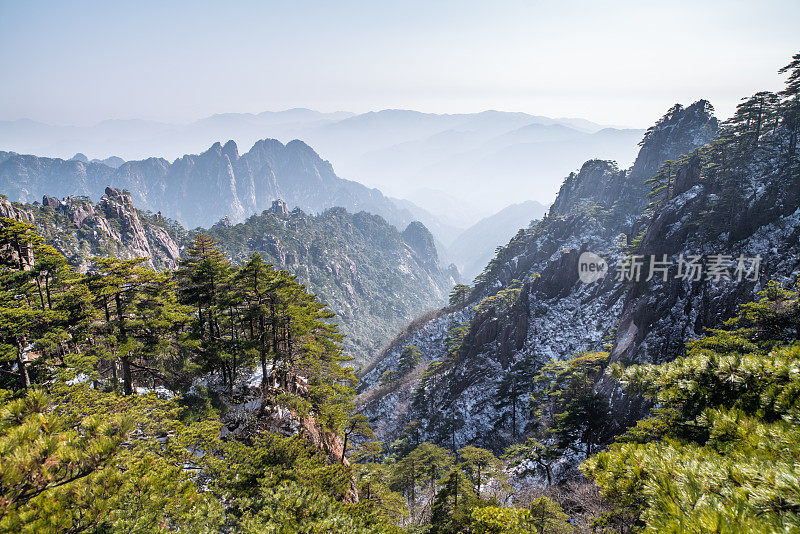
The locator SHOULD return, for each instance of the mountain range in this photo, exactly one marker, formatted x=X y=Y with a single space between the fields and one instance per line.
x=201 y=189
x=478 y=158
x=220 y=183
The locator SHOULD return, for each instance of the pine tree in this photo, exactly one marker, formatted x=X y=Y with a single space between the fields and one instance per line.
x=203 y=278
x=513 y=390
x=453 y=505
x=118 y=287
x=569 y=408
x=720 y=449
x=662 y=185
x=790 y=104
x=257 y=289
x=480 y=465
x=357 y=425
x=539 y=452
x=43 y=307
x=459 y=294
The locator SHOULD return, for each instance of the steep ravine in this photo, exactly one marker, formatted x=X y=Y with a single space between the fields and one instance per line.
x=528 y=306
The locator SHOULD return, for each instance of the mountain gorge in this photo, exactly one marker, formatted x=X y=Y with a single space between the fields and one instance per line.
x=475 y=246
x=625 y=350
x=559 y=367
x=528 y=306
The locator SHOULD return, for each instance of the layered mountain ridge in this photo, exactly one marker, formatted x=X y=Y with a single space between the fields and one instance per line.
x=398 y=151
x=200 y=189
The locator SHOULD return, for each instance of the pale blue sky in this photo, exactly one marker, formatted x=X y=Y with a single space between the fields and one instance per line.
x=613 y=62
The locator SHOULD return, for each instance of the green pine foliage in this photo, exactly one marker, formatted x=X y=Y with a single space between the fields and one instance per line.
x=103 y=427
x=720 y=452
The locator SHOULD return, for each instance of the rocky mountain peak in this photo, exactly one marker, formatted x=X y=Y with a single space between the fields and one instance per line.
x=231 y=150
x=117 y=196
x=678 y=132
x=81 y=230
x=200 y=189
x=420 y=239
x=279 y=207
x=598 y=181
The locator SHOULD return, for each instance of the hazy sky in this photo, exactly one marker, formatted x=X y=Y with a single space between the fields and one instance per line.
x=621 y=63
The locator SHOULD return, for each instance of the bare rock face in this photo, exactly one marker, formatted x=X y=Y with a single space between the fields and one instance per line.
x=80 y=229
x=598 y=181
x=676 y=133
x=115 y=205
x=420 y=239
x=13 y=211
x=280 y=207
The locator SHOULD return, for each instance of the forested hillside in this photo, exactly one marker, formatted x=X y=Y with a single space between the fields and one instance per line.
x=88 y=445
x=528 y=307
x=627 y=364
x=373 y=277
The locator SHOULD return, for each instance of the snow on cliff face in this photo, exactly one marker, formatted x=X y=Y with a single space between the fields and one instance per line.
x=553 y=316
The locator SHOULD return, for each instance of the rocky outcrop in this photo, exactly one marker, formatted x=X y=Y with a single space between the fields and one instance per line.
x=420 y=240
x=678 y=132
x=279 y=207
x=14 y=211
x=81 y=230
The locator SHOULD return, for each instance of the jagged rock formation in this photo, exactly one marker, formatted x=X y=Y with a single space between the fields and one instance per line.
x=80 y=230
x=373 y=277
x=200 y=189
x=11 y=210
x=529 y=306
x=420 y=240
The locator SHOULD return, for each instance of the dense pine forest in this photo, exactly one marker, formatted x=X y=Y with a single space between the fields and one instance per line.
x=213 y=395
